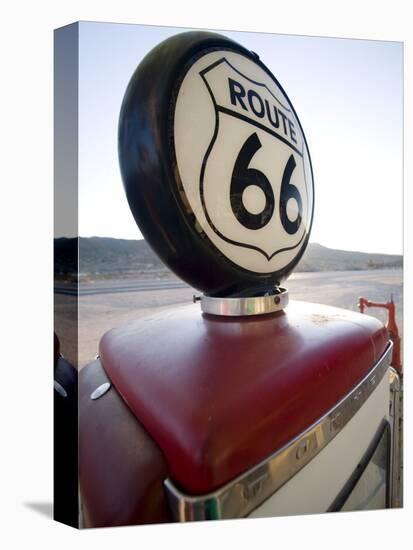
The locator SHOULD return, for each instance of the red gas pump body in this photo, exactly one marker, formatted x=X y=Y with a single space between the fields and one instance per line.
x=200 y=399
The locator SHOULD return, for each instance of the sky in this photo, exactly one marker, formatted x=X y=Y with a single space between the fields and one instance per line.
x=348 y=95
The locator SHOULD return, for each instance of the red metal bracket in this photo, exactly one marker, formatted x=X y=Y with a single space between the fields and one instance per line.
x=391 y=327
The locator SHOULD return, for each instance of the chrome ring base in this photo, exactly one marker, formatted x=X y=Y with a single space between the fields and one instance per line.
x=251 y=305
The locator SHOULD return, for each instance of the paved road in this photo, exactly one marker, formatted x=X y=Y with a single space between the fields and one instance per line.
x=118 y=286
x=106 y=304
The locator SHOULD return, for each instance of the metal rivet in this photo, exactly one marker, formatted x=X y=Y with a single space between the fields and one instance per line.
x=100 y=390
x=60 y=389
x=277 y=300
x=302 y=449
x=254 y=488
x=358 y=395
x=336 y=421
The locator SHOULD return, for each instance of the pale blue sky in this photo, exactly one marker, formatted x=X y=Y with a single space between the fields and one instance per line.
x=347 y=94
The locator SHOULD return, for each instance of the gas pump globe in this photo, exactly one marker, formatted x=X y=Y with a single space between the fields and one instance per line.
x=216 y=166
x=244 y=404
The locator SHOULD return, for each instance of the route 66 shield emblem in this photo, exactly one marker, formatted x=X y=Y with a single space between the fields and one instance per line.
x=243 y=161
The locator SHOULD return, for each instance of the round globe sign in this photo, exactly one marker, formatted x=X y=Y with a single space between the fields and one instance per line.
x=215 y=165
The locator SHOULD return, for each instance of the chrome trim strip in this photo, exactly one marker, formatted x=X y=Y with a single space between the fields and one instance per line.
x=395 y=423
x=251 y=305
x=245 y=493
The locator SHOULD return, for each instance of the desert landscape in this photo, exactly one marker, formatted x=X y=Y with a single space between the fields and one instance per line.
x=121 y=280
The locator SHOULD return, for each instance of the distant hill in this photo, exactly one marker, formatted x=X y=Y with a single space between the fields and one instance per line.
x=105 y=257
x=320 y=258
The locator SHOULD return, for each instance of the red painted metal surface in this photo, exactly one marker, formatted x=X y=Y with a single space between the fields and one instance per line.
x=121 y=469
x=391 y=326
x=220 y=394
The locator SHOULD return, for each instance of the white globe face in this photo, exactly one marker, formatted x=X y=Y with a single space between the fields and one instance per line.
x=243 y=162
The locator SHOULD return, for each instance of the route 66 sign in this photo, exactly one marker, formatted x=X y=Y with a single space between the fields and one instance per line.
x=215 y=165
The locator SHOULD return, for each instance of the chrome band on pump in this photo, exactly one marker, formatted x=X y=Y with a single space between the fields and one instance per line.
x=396 y=430
x=251 y=305
x=245 y=493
